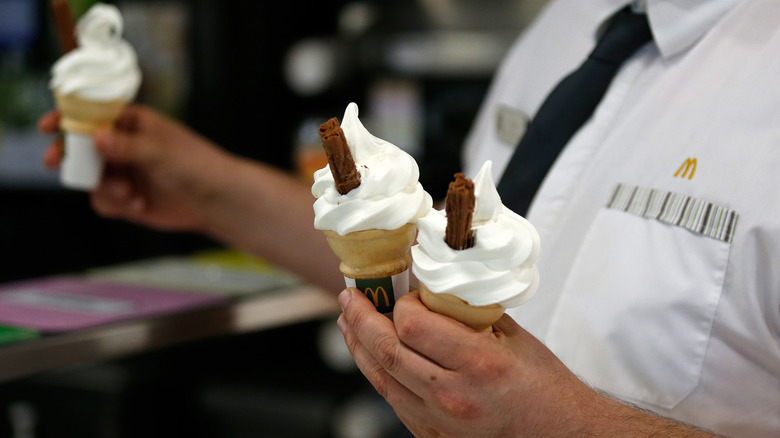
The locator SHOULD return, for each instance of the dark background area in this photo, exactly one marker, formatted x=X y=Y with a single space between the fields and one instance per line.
x=236 y=96
x=238 y=99
x=224 y=75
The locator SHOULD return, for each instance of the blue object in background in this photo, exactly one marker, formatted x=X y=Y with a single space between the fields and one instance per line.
x=18 y=24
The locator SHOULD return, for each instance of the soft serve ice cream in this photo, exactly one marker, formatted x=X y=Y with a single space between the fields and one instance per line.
x=104 y=67
x=92 y=84
x=389 y=196
x=371 y=227
x=499 y=271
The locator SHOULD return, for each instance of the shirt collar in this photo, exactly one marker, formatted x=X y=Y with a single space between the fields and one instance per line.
x=679 y=24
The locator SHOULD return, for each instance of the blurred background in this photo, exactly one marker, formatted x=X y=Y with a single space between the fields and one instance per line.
x=418 y=71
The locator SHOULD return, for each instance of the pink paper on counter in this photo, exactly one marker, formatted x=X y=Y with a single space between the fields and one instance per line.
x=60 y=304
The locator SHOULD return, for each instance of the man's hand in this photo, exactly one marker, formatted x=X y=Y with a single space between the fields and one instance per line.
x=157 y=170
x=445 y=380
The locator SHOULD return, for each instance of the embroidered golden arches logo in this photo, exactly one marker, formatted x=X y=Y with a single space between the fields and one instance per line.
x=687 y=169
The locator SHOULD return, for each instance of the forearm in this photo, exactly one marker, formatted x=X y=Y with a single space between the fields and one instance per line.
x=610 y=417
x=261 y=209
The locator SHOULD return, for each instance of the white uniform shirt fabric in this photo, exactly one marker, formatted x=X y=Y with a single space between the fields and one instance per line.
x=656 y=312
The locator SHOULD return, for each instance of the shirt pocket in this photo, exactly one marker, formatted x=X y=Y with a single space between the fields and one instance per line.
x=636 y=312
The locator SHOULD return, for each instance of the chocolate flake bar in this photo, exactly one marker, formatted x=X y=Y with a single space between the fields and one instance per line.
x=65 y=25
x=459 y=206
x=342 y=165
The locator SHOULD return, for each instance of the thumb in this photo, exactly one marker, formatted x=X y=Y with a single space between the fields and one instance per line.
x=125 y=147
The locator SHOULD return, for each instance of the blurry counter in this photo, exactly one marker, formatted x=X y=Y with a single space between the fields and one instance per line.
x=238 y=295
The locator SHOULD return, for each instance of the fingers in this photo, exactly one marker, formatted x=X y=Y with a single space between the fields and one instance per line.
x=409 y=407
x=124 y=147
x=130 y=119
x=437 y=337
x=121 y=145
x=115 y=197
x=387 y=386
x=53 y=155
x=111 y=207
x=383 y=358
x=49 y=123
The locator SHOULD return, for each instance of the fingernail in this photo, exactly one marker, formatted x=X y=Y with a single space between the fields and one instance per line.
x=342 y=323
x=344 y=298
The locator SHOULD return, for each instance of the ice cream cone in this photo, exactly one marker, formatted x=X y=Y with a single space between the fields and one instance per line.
x=480 y=318
x=85 y=116
x=82 y=166
x=376 y=262
x=373 y=253
x=97 y=76
x=368 y=216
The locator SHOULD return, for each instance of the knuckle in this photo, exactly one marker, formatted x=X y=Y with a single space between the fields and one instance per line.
x=356 y=320
x=456 y=404
x=384 y=347
x=408 y=328
x=490 y=367
x=378 y=378
x=386 y=351
x=352 y=342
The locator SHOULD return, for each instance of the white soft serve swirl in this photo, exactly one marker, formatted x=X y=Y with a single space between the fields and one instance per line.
x=389 y=195
x=499 y=269
x=104 y=67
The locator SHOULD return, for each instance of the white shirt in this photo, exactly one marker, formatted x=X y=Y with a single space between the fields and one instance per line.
x=679 y=316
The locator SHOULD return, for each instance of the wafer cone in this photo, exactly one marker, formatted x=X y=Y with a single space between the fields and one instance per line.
x=376 y=262
x=85 y=116
x=480 y=318
x=82 y=166
x=373 y=253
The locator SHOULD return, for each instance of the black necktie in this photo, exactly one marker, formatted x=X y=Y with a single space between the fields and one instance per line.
x=567 y=108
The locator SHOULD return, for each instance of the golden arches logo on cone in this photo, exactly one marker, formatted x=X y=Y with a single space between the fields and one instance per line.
x=381 y=291
x=374 y=296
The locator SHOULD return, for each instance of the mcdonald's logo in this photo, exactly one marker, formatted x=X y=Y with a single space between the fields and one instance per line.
x=380 y=291
x=688 y=166
x=374 y=295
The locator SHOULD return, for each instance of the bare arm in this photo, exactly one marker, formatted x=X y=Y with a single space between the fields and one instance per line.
x=163 y=175
x=263 y=210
